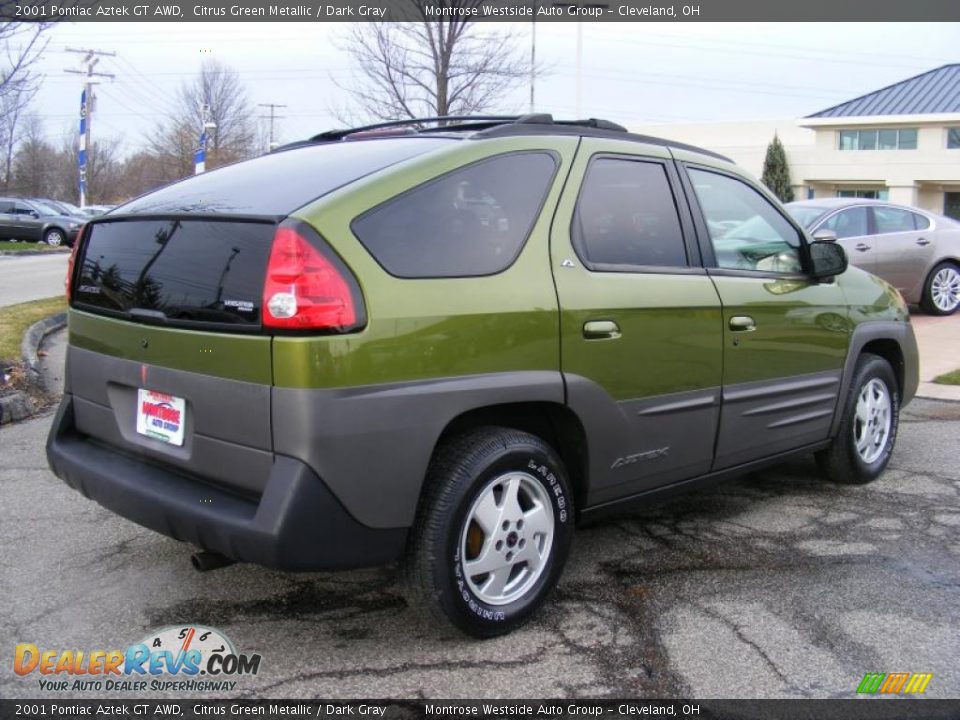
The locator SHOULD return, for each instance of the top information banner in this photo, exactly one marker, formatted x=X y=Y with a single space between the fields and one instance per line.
x=478 y=10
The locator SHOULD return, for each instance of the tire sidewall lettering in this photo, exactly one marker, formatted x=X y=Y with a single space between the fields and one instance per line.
x=534 y=465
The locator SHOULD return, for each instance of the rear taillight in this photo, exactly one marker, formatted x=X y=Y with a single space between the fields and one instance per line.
x=68 y=281
x=307 y=286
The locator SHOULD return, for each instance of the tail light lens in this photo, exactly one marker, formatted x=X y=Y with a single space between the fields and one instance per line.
x=308 y=287
x=68 y=281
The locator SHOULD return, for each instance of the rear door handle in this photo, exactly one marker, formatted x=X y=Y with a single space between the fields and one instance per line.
x=600 y=329
x=742 y=323
x=922 y=241
x=862 y=247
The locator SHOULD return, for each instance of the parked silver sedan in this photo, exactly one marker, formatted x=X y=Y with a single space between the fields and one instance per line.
x=916 y=251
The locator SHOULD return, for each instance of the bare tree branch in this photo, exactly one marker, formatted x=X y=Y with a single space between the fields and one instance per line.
x=431 y=67
x=20 y=47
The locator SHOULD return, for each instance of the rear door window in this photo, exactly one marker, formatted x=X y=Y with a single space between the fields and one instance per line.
x=892 y=220
x=626 y=217
x=470 y=222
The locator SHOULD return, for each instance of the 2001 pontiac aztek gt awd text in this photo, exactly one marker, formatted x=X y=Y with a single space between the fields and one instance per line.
x=446 y=345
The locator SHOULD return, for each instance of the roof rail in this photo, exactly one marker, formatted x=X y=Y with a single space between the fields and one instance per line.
x=465 y=122
x=341 y=133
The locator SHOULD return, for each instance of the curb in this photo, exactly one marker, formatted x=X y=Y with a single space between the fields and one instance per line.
x=19 y=405
x=29 y=253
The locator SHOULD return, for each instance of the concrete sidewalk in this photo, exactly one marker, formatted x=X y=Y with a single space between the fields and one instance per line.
x=939 y=341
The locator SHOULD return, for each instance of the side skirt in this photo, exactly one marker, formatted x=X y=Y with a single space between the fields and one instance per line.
x=660 y=494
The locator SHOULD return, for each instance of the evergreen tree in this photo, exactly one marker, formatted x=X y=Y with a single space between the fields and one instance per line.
x=776 y=172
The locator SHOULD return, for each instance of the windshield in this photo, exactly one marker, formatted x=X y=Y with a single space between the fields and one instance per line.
x=806 y=215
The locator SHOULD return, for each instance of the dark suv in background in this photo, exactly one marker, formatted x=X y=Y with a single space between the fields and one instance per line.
x=446 y=345
x=34 y=221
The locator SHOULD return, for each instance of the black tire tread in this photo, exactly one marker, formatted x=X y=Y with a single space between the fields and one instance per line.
x=926 y=302
x=838 y=462
x=450 y=467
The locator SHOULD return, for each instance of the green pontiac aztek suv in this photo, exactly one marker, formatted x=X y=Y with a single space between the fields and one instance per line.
x=446 y=344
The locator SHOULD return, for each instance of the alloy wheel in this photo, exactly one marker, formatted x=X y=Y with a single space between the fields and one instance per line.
x=506 y=538
x=871 y=426
x=945 y=289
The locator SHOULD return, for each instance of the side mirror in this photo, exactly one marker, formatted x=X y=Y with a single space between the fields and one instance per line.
x=828 y=259
x=824 y=235
x=34 y=214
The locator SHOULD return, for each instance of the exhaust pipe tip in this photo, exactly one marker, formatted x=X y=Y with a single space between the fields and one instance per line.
x=205 y=561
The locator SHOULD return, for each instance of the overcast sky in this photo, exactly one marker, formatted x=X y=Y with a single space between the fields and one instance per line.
x=633 y=73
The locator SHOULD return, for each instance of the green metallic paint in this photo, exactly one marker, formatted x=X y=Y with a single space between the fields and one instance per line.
x=432 y=328
x=234 y=357
x=801 y=327
x=669 y=323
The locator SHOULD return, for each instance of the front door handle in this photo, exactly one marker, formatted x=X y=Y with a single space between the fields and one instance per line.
x=600 y=329
x=742 y=323
x=922 y=241
x=862 y=247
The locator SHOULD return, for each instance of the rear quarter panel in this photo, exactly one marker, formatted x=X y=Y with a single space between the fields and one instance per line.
x=433 y=328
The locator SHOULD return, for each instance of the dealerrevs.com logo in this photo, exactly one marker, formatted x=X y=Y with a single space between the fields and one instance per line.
x=184 y=658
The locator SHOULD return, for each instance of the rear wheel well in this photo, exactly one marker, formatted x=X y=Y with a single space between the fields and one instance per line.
x=890 y=351
x=555 y=424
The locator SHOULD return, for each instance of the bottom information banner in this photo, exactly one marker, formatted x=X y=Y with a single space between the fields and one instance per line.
x=854 y=709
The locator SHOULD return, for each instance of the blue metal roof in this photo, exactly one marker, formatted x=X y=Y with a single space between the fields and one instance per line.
x=935 y=91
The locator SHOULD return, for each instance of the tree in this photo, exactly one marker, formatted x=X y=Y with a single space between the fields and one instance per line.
x=432 y=67
x=216 y=95
x=776 y=171
x=12 y=106
x=21 y=45
x=35 y=163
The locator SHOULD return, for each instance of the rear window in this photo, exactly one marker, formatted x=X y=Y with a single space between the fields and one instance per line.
x=177 y=272
x=470 y=222
x=279 y=183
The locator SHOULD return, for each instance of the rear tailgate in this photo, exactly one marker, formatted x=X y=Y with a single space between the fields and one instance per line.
x=166 y=356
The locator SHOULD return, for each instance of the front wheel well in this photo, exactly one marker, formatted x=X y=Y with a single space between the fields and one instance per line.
x=554 y=423
x=890 y=351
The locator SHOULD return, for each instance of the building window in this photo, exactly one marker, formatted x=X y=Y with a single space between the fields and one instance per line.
x=865 y=194
x=905 y=139
x=953 y=138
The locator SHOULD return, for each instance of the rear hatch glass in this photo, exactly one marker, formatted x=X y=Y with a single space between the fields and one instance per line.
x=178 y=272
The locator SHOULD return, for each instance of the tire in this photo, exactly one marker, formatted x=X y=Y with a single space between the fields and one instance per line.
x=54 y=237
x=868 y=430
x=941 y=291
x=514 y=484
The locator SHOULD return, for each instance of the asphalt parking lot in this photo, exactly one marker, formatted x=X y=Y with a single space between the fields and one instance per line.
x=776 y=585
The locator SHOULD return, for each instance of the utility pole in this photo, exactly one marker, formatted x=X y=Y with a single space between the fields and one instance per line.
x=90 y=59
x=533 y=57
x=272 y=116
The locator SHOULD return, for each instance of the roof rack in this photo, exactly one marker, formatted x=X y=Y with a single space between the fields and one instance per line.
x=491 y=126
x=463 y=122
x=341 y=133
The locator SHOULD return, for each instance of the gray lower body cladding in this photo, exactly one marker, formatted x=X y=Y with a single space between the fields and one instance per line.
x=296 y=524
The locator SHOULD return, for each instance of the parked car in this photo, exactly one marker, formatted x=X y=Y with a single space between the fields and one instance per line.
x=916 y=251
x=95 y=210
x=447 y=347
x=63 y=208
x=33 y=221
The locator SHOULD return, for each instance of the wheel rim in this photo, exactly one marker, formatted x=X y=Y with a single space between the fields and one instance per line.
x=506 y=538
x=945 y=289
x=54 y=238
x=871 y=426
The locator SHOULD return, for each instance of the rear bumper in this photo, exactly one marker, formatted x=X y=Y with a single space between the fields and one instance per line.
x=297 y=523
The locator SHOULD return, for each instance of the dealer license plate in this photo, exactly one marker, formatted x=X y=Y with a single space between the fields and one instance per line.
x=161 y=416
